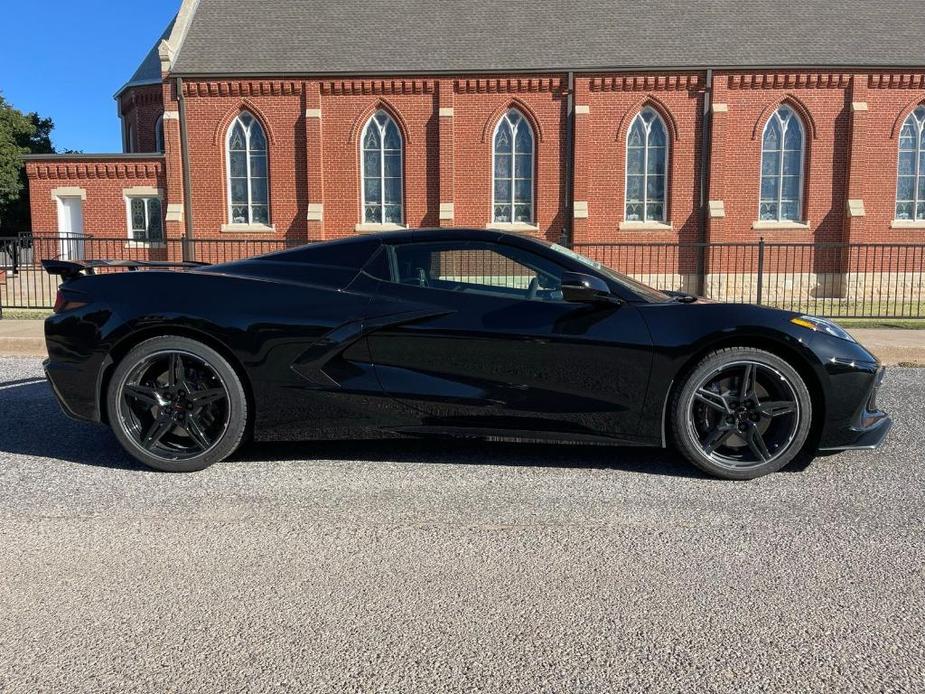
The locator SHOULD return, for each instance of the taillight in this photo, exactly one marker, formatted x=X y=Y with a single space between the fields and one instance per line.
x=60 y=302
x=63 y=304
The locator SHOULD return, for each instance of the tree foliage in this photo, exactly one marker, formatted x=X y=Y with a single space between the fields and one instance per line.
x=20 y=134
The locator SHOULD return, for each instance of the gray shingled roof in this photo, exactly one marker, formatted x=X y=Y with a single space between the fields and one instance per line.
x=150 y=69
x=270 y=37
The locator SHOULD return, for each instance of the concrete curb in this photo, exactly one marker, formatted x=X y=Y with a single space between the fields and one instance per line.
x=22 y=347
x=22 y=338
x=893 y=347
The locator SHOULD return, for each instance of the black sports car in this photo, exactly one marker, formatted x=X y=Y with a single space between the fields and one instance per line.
x=447 y=332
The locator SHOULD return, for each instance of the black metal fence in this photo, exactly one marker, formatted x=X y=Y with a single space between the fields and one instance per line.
x=829 y=279
x=25 y=285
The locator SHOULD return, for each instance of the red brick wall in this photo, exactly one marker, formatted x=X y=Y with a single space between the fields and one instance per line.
x=104 y=209
x=104 y=182
x=210 y=108
x=316 y=161
x=345 y=108
x=141 y=107
x=822 y=101
x=613 y=103
x=478 y=105
x=890 y=98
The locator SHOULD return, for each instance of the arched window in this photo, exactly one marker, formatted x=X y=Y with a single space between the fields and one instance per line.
x=910 y=178
x=646 y=168
x=159 y=134
x=248 y=192
x=381 y=175
x=512 y=199
x=782 y=168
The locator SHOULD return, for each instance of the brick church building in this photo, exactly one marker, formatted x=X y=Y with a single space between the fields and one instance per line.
x=594 y=122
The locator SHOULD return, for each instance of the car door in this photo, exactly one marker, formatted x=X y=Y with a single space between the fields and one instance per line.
x=489 y=344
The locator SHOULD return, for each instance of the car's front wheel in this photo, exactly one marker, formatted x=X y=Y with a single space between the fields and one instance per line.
x=741 y=413
x=177 y=405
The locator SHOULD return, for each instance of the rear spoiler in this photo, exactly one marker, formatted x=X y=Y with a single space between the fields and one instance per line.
x=71 y=269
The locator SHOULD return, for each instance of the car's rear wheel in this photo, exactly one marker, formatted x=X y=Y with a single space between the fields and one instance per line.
x=741 y=413
x=177 y=405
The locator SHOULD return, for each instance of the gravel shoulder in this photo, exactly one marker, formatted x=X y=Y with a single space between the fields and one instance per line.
x=421 y=566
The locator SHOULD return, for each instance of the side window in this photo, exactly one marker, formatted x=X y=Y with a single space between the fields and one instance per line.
x=478 y=268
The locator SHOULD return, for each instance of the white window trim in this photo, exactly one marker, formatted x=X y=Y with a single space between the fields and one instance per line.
x=382 y=225
x=645 y=222
x=780 y=223
x=250 y=225
x=512 y=225
x=143 y=193
x=918 y=176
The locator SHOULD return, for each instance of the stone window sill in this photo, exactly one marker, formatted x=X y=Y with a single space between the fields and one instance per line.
x=146 y=244
x=377 y=228
x=770 y=224
x=646 y=226
x=907 y=224
x=516 y=227
x=248 y=228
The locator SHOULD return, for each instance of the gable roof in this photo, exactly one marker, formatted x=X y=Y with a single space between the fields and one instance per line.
x=279 y=37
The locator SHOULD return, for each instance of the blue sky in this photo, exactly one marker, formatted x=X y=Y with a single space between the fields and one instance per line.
x=66 y=59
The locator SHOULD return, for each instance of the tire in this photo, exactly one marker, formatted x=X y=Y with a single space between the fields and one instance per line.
x=177 y=405
x=735 y=433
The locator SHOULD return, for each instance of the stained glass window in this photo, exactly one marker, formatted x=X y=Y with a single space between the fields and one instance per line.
x=248 y=189
x=146 y=222
x=513 y=154
x=782 y=168
x=381 y=170
x=910 y=177
x=646 y=168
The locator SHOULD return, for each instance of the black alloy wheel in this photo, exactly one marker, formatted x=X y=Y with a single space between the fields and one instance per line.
x=742 y=413
x=177 y=405
x=174 y=405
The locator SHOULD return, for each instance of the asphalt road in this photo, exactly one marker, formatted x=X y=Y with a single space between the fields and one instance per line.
x=410 y=566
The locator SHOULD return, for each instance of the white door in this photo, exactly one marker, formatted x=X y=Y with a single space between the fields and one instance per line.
x=71 y=227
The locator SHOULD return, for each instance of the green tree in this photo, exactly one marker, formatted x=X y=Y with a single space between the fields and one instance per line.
x=20 y=133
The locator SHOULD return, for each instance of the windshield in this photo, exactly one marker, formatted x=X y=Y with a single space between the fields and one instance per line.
x=643 y=290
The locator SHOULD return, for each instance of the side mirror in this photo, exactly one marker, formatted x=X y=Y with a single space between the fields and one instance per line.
x=587 y=289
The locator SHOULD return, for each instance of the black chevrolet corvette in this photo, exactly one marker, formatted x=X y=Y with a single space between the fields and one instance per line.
x=451 y=333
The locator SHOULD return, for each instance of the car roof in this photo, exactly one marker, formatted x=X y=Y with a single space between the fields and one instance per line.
x=320 y=252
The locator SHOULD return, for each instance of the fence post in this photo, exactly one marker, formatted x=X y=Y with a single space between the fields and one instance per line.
x=760 y=270
x=189 y=251
x=701 y=287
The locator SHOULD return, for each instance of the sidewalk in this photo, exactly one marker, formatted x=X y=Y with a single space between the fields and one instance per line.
x=22 y=338
x=893 y=347
x=25 y=338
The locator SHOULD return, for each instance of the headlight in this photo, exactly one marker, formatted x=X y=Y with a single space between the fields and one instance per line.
x=822 y=325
